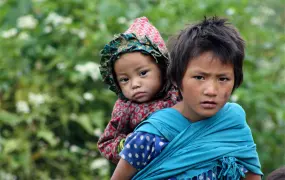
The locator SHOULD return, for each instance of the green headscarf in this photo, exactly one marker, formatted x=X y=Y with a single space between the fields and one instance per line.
x=126 y=43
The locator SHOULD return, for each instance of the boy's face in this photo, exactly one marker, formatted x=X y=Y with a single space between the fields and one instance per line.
x=206 y=86
x=138 y=76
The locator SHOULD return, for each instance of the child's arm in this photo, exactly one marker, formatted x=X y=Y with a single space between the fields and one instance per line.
x=139 y=150
x=115 y=131
x=252 y=176
x=118 y=128
x=123 y=171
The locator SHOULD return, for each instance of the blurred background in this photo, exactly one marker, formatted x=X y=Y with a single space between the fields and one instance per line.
x=54 y=106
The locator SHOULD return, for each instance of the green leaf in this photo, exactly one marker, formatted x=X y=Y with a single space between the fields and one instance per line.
x=11 y=145
x=48 y=136
x=85 y=122
x=9 y=118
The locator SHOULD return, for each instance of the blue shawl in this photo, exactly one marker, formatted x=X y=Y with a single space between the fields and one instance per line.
x=198 y=147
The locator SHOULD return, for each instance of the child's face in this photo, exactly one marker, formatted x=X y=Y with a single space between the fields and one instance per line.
x=206 y=86
x=138 y=76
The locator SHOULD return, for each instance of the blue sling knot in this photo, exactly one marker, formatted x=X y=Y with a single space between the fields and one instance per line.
x=230 y=168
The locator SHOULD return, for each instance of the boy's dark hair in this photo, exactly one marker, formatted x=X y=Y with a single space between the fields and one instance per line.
x=212 y=34
x=278 y=174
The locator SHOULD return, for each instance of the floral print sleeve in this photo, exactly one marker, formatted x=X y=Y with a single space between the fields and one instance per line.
x=116 y=130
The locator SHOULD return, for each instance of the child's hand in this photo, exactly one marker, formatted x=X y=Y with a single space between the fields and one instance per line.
x=122 y=143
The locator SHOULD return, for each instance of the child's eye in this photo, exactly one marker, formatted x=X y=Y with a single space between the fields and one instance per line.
x=123 y=80
x=143 y=73
x=199 y=77
x=224 y=79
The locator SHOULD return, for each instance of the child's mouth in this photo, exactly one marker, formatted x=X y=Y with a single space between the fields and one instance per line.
x=209 y=104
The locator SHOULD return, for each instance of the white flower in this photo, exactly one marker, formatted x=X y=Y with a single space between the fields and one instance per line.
x=99 y=163
x=67 y=20
x=60 y=66
x=7 y=176
x=47 y=29
x=269 y=125
x=9 y=33
x=264 y=64
x=102 y=26
x=88 y=96
x=267 y=45
x=36 y=99
x=22 y=107
x=97 y=132
x=81 y=68
x=234 y=98
x=23 y=36
x=27 y=22
x=230 y=11
x=73 y=116
x=63 y=29
x=74 y=148
x=201 y=5
x=2 y=2
x=267 y=11
x=121 y=20
x=56 y=19
x=50 y=50
x=256 y=21
x=79 y=32
x=89 y=69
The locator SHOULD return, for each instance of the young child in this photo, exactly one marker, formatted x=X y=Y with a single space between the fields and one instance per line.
x=134 y=65
x=203 y=136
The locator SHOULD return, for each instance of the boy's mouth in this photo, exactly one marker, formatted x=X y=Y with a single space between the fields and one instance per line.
x=209 y=104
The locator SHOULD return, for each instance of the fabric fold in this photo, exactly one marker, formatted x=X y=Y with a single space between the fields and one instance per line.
x=200 y=145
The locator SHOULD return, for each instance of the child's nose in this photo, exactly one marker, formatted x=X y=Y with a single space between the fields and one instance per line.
x=211 y=89
x=136 y=83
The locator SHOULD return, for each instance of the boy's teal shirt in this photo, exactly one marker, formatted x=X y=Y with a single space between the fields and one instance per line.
x=198 y=147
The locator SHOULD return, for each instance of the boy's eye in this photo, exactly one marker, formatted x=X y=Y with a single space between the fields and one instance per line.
x=143 y=73
x=199 y=77
x=224 y=79
x=123 y=80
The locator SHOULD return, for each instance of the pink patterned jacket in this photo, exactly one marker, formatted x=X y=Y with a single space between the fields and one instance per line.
x=126 y=116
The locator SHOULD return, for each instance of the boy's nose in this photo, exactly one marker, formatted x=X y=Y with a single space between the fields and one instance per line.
x=211 y=89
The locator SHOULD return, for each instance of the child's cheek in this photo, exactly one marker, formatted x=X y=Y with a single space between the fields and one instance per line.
x=227 y=96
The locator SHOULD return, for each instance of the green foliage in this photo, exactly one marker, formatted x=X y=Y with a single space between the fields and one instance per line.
x=53 y=105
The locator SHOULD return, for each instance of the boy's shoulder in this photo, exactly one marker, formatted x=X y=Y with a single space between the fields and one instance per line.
x=234 y=113
x=162 y=112
x=235 y=108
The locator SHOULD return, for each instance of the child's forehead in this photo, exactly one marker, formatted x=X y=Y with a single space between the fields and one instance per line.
x=207 y=62
x=135 y=57
x=134 y=54
x=133 y=60
x=210 y=58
